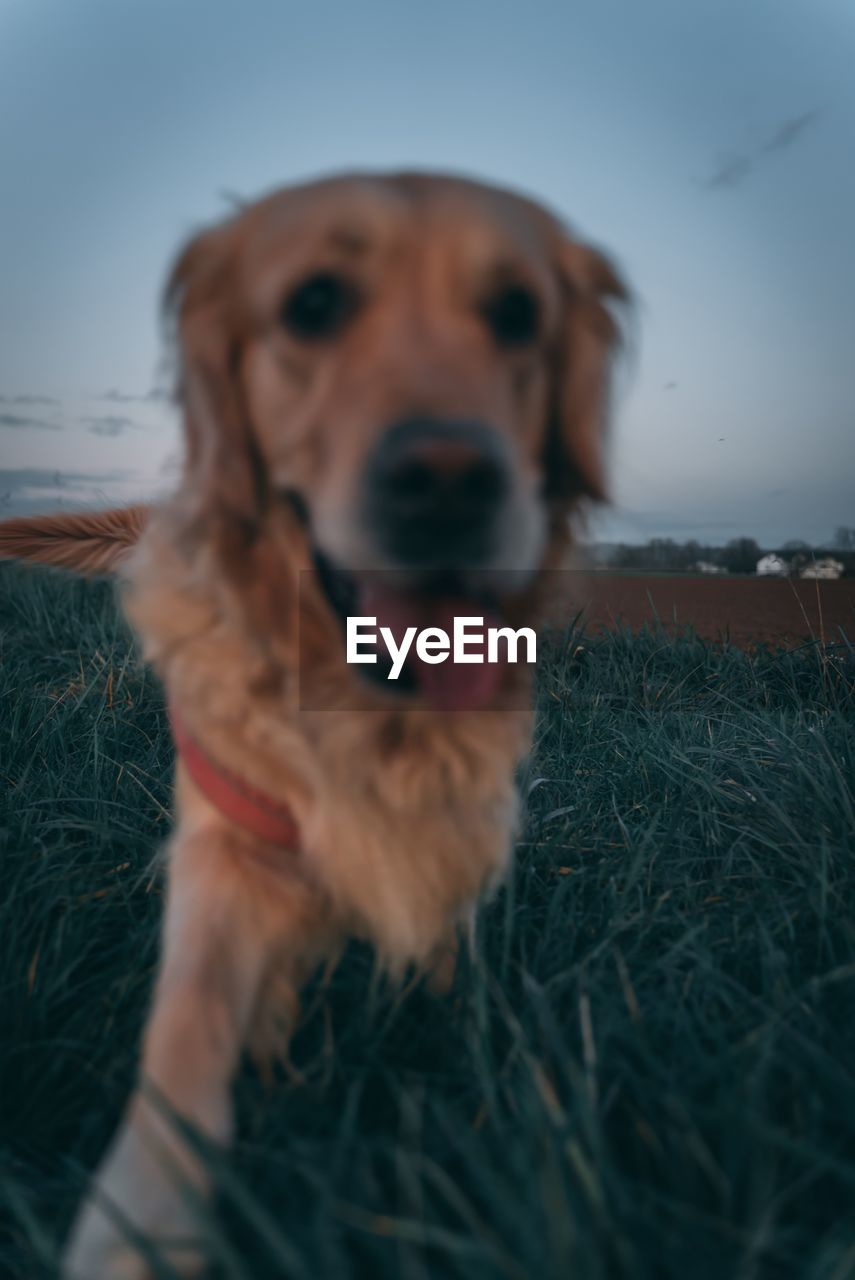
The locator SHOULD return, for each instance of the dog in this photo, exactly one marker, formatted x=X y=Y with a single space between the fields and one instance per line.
x=392 y=387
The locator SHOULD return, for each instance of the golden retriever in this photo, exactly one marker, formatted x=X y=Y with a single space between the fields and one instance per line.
x=392 y=387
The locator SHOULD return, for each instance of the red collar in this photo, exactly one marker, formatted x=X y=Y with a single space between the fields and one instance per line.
x=232 y=795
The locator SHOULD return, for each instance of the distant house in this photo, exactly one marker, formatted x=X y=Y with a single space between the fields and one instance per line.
x=707 y=566
x=772 y=566
x=825 y=568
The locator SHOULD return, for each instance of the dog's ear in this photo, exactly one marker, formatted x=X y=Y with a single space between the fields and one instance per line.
x=204 y=309
x=589 y=336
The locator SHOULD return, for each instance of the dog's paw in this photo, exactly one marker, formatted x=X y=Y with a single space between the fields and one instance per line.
x=103 y=1246
x=101 y=1249
x=141 y=1211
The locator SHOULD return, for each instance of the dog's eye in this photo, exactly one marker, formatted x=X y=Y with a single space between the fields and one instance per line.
x=319 y=307
x=513 y=315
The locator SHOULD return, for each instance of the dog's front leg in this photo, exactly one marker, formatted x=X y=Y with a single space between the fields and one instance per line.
x=218 y=934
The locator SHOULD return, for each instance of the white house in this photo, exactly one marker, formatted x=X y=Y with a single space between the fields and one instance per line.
x=772 y=566
x=825 y=568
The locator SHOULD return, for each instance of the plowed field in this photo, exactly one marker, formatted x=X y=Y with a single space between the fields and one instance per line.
x=745 y=610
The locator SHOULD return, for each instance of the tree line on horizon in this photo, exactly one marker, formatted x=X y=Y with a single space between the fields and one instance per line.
x=739 y=555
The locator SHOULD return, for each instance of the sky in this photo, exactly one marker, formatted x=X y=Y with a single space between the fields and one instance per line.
x=707 y=145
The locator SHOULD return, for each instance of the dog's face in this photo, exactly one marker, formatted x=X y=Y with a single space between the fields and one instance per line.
x=418 y=364
x=418 y=361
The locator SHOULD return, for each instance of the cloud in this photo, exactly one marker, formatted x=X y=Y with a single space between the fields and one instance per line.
x=787 y=133
x=110 y=425
x=120 y=397
x=16 y=478
x=28 y=400
x=729 y=171
x=232 y=199
x=26 y=491
x=733 y=168
x=155 y=395
x=21 y=420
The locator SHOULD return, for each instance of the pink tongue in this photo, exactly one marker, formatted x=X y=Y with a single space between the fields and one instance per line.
x=447 y=685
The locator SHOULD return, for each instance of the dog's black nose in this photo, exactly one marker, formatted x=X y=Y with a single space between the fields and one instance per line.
x=435 y=491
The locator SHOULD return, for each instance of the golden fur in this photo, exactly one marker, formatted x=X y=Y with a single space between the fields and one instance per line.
x=406 y=815
x=85 y=541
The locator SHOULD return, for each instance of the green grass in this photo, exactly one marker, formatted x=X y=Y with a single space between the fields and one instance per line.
x=646 y=1068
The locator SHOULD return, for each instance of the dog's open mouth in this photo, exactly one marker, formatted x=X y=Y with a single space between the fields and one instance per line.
x=434 y=602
